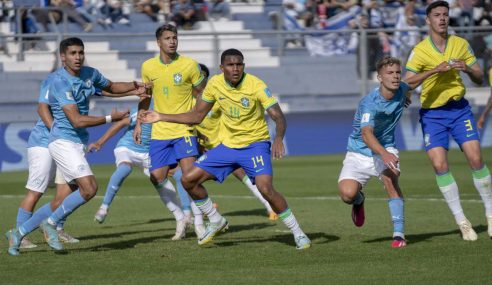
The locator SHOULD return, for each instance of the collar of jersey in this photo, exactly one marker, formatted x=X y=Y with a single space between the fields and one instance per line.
x=160 y=59
x=434 y=46
x=69 y=75
x=239 y=83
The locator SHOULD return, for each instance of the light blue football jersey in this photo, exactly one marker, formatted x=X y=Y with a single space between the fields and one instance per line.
x=127 y=139
x=40 y=134
x=374 y=110
x=67 y=89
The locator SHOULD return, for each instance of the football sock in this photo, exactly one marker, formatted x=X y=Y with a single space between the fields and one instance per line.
x=397 y=207
x=183 y=195
x=207 y=208
x=197 y=213
x=61 y=224
x=482 y=181
x=291 y=222
x=119 y=175
x=168 y=196
x=70 y=204
x=36 y=219
x=359 y=198
x=449 y=190
x=22 y=216
x=257 y=193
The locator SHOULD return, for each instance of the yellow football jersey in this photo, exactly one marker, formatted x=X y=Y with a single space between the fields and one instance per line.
x=243 y=109
x=172 y=92
x=440 y=88
x=210 y=127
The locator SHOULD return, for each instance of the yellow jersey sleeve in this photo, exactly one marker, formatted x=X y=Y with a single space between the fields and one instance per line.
x=264 y=95
x=490 y=77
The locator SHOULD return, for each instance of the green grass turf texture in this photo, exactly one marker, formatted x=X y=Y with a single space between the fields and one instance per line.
x=133 y=246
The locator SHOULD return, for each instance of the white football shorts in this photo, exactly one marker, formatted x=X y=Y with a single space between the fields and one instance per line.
x=70 y=159
x=41 y=169
x=124 y=154
x=361 y=168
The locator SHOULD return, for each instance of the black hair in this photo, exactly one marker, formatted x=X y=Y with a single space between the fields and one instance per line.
x=70 y=42
x=165 y=27
x=435 y=5
x=230 y=52
x=204 y=68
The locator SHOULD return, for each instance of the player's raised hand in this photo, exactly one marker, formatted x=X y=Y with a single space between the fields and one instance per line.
x=278 y=149
x=93 y=147
x=119 y=115
x=137 y=133
x=149 y=117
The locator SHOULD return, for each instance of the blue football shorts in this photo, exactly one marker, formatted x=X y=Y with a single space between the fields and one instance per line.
x=455 y=119
x=221 y=161
x=169 y=152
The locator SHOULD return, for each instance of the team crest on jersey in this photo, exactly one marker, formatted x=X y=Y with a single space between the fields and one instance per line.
x=177 y=78
x=69 y=95
x=245 y=102
x=88 y=83
x=427 y=139
x=365 y=118
x=268 y=92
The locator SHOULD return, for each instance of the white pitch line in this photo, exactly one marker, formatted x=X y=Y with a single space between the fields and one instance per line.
x=313 y=198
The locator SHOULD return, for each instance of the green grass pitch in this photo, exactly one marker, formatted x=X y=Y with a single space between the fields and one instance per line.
x=133 y=246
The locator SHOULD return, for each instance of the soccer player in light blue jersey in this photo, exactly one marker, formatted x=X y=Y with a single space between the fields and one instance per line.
x=41 y=174
x=371 y=149
x=69 y=93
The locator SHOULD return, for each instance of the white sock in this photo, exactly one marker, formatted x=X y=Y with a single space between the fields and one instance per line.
x=207 y=208
x=197 y=213
x=291 y=222
x=256 y=192
x=167 y=192
x=104 y=207
x=452 y=197
x=483 y=186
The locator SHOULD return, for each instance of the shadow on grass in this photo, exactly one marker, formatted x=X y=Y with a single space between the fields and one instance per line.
x=288 y=239
x=426 y=236
x=118 y=234
x=255 y=212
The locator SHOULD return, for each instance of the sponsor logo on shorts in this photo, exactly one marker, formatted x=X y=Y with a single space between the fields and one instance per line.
x=258 y=170
x=201 y=158
x=470 y=135
x=189 y=151
x=81 y=168
x=37 y=181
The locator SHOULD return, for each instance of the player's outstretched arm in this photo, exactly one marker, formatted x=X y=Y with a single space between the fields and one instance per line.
x=485 y=112
x=113 y=130
x=389 y=159
x=275 y=112
x=193 y=117
x=415 y=79
x=45 y=114
x=83 y=121
x=122 y=89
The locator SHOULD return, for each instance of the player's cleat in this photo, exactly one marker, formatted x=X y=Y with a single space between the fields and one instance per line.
x=302 y=242
x=358 y=215
x=489 y=221
x=27 y=244
x=272 y=216
x=14 y=238
x=467 y=231
x=212 y=230
x=50 y=235
x=66 y=238
x=199 y=230
x=100 y=215
x=398 y=242
x=180 y=229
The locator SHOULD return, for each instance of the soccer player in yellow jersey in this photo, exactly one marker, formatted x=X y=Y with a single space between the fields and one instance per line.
x=438 y=62
x=243 y=99
x=175 y=78
x=488 y=107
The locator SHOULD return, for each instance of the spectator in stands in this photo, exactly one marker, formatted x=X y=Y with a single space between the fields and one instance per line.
x=219 y=9
x=112 y=12
x=483 y=13
x=157 y=10
x=69 y=8
x=184 y=14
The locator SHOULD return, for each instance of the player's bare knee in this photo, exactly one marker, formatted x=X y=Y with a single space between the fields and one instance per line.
x=347 y=192
x=189 y=181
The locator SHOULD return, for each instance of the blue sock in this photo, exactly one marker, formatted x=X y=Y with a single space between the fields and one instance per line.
x=36 y=219
x=183 y=195
x=22 y=216
x=396 y=206
x=70 y=204
x=119 y=175
x=61 y=224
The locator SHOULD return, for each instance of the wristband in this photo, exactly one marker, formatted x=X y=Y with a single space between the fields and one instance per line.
x=108 y=119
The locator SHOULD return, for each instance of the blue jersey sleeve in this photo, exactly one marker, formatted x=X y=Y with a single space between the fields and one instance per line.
x=367 y=114
x=61 y=91
x=99 y=80
x=44 y=92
